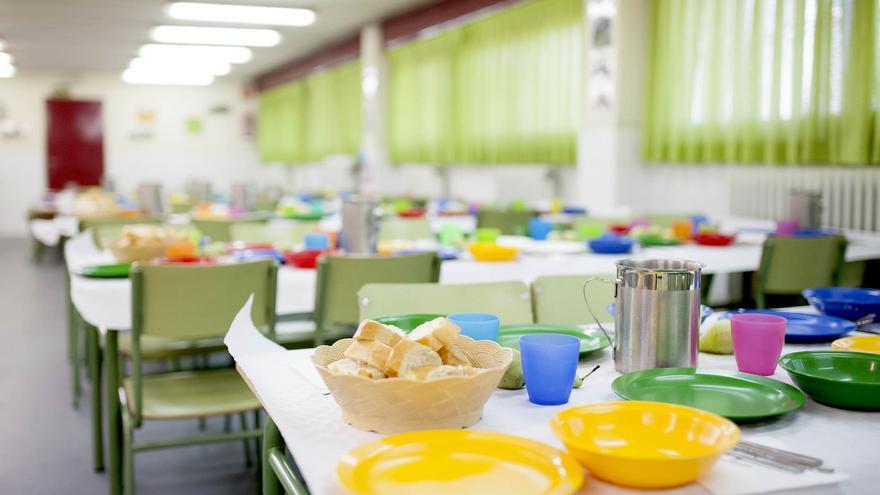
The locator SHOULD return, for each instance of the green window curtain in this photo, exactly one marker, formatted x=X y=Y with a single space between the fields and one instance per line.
x=763 y=81
x=333 y=111
x=502 y=89
x=281 y=127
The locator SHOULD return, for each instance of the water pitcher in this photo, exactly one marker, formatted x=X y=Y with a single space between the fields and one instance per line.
x=656 y=314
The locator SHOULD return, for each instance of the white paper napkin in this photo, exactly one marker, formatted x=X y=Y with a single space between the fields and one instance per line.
x=308 y=372
x=736 y=477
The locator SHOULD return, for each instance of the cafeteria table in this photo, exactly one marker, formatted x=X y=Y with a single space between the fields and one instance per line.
x=317 y=437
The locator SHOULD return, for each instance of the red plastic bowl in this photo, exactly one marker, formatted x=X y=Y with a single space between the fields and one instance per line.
x=710 y=239
x=186 y=260
x=619 y=228
x=412 y=213
x=303 y=259
x=238 y=246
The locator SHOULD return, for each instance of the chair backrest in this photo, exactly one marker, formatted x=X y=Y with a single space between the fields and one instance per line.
x=218 y=230
x=509 y=222
x=190 y=303
x=341 y=277
x=510 y=301
x=107 y=229
x=792 y=264
x=559 y=299
x=667 y=219
x=405 y=229
x=284 y=235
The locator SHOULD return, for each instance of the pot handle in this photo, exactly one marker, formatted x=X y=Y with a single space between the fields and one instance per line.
x=586 y=284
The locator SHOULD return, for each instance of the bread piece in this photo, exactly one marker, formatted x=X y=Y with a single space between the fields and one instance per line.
x=436 y=334
x=410 y=354
x=454 y=356
x=370 y=352
x=373 y=330
x=432 y=372
x=350 y=367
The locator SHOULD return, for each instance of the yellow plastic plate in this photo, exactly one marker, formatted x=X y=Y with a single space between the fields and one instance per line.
x=861 y=343
x=443 y=462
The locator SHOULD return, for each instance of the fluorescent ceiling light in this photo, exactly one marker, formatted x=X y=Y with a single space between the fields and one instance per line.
x=5 y=59
x=216 y=35
x=241 y=14
x=6 y=71
x=231 y=54
x=167 y=77
x=213 y=67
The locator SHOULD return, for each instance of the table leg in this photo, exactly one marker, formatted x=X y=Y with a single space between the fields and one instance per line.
x=114 y=428
x=94 y=354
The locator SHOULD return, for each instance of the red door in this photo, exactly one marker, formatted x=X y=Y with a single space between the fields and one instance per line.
x=74 y=143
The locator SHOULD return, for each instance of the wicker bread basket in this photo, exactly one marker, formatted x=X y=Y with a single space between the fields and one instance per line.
x=395 y=405
x=137 y=253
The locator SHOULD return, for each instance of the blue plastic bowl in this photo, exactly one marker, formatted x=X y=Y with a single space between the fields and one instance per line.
x=851 y=303
x=814 y=232
x=611 y=244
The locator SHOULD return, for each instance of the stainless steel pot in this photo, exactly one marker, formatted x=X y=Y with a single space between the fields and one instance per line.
x=656 y=314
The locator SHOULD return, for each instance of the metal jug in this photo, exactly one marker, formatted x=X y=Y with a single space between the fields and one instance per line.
x=656 y=314
x=806 y=207
x=360 y=225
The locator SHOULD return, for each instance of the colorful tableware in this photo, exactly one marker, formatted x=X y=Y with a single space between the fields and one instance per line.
x=644 y=444
x=714 y=239
x=408 y=322
x=682 y=229
x=848 y=380
x=549 y=362
x=736 y=396
x=861 y=343
x=786 y=227
x=610 y=244
x=307 y=259
x=316 y=240
x=478 y=326
x=489 y=251
x=108 y=270
x=851 y=303
x=658 y=240
x=757 y=341
x=487 y=234
x=619 y=228
x=186 y=260
x=441 y=462
x=803 y=328
x=539 y=228
x=591 y=339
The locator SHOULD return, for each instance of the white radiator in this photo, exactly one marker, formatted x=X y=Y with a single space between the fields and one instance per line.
x=850 y=196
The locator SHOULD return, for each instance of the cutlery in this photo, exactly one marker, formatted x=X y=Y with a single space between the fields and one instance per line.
x=780 y=456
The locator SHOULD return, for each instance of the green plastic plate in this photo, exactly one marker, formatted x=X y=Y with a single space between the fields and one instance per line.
x=409 y=322
x=736 y=396
x=591 y=339
x=656 y=240
x=112 y=270
x=848 y=380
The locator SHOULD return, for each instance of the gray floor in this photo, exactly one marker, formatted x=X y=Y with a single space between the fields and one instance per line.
x=44 y=443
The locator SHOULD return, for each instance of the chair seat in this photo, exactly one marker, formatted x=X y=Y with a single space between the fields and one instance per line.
x=158 y=347
x=192 y=394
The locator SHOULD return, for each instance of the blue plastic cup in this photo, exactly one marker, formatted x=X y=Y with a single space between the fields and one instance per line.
x=549 y=362
x=478 y=326
x=317 y=240
x=539 y=229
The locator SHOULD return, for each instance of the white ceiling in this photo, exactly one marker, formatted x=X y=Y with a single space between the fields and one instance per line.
x=102 y=35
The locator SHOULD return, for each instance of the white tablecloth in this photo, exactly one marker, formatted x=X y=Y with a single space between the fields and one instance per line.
x=49 y=232
x=106 y=303
x=317 y=437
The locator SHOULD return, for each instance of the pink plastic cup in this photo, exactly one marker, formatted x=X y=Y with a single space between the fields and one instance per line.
x=757 y=342
x=786 y=227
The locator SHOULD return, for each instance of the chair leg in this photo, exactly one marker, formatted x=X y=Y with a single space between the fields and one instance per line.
x=96 y=393
x=242 y=417
x=271 y=439
x=128 y=486
x=75 y=371
x=203 y=423
x=259 y=457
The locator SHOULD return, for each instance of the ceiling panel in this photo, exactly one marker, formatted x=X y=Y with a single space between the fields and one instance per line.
x=101 y=35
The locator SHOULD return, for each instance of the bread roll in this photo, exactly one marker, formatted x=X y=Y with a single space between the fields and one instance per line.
x=370 y=352
x=373 y=330
x=454 y=356
x=409 y=354
x=432 y=372
x=436 y=334
x=350 y=367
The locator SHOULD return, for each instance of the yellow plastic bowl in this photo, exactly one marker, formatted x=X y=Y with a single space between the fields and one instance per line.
x=861 y=343
x=644 y=444
x=489 y=251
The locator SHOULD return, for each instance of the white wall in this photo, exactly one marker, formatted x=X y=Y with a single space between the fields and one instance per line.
x=220 y=152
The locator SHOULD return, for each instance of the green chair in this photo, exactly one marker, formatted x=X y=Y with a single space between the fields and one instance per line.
x=285 y=235
x=509 y=222
x=107 y=229
x=219 y=230
x=792 y=264
x=511 y=301
x=341 y=277
x=280 y=477
x=405 y=229
x=191 y=303
x=559 y=299
x=665 y=220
